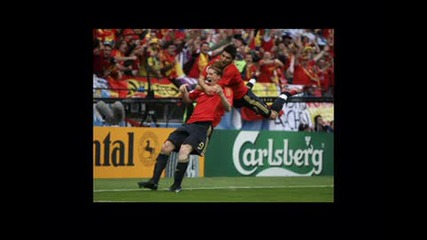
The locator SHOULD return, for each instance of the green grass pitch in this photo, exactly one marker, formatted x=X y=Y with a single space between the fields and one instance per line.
x=220 y=189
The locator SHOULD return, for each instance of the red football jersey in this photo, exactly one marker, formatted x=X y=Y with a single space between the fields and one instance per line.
x=231 y=78
x=208 y=107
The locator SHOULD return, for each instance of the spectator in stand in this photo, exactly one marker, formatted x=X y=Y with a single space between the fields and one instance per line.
x=198 y=61
x=240 y=44
x=304 y=69
x=250 y=67
x=109 y=64
x=124 y=62
x=283 y=55
x=268 y=39
x=110 y=71
x=291 y=52
x=107 y=36
x=181 y=49
x=97 y=58
x=170 y=64
x=222 y=38
x=128 y=36
x=320 y=125
x=270 y=69
x=150 y=60
x=240 y=62
x=287 y=39
x=323 y=72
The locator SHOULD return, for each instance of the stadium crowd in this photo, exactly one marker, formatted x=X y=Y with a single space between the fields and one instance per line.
x=282 y=56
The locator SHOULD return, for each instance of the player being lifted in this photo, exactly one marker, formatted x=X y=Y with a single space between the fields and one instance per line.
x=242 y=94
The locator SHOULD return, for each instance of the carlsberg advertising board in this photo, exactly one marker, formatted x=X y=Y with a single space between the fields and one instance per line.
x=269 y=153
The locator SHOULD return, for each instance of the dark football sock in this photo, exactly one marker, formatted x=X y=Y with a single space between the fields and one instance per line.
x=181 y=168
x=251 y=83
x=278 y=104
x=161 y=162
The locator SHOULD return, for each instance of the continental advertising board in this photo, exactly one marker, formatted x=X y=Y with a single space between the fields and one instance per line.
x=128 y=152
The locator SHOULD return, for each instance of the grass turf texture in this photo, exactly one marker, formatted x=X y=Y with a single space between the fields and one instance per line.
x=219 y=189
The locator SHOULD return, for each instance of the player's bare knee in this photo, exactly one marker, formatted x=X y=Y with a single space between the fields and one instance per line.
x=184 y=153
x=167 y=147
x=183 y=158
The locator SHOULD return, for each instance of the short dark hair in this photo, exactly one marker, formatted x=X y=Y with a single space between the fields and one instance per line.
x=217 y=67
x=231 y=50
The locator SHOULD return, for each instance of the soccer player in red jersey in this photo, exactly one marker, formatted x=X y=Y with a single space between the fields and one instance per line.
x=192 y=137
x=242 y=94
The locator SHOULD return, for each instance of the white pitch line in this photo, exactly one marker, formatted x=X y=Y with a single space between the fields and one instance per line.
x=206 y=188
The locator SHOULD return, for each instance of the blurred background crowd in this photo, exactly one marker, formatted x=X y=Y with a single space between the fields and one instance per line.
x=283 y=56
x=126 y=61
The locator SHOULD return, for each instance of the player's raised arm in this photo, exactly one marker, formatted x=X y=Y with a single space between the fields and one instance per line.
x=225 y=103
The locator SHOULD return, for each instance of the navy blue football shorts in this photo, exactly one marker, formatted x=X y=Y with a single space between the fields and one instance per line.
x=195 y=134
x=250 y=100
